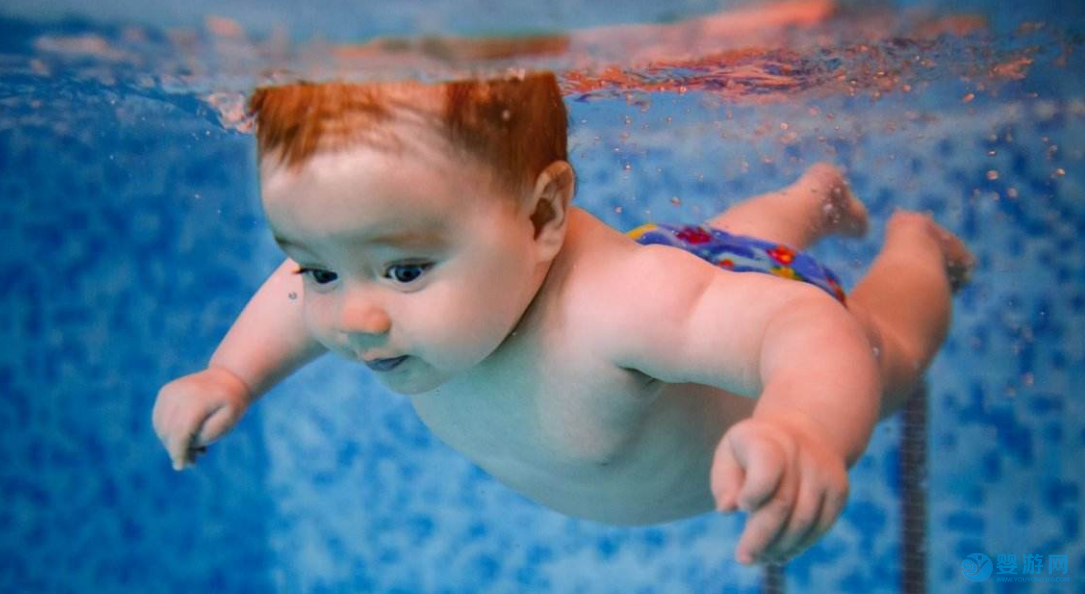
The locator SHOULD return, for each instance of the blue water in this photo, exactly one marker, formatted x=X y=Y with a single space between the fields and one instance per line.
x=130 y=237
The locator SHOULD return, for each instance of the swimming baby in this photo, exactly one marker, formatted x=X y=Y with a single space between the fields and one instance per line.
x=624 y=378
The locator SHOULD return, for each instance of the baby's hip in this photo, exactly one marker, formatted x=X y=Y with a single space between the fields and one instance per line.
x=740 y=253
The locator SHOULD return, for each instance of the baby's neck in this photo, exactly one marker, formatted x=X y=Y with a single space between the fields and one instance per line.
x=551 y=275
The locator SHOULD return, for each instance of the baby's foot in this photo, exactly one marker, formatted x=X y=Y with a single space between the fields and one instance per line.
x=843 y=213
x=958 y=260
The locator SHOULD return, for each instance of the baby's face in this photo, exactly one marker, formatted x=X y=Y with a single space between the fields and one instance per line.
x=413 y=262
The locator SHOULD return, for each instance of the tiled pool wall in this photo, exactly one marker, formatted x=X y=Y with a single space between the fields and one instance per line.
x=131 y=237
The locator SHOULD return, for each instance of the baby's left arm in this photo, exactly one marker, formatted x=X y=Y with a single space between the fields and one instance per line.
x=795 y=348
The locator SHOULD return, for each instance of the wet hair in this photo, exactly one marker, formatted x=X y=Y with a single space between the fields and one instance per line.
x=517 y=126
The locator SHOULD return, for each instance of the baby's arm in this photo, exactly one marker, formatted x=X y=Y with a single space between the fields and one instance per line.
x=269 y=340
x=799 y=350
x=266 y=343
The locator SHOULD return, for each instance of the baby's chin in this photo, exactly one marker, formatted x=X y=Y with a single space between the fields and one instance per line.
x=418 y=379
x=411 y=389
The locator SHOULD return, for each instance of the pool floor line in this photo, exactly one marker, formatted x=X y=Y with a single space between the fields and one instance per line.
x=913 y=494
x=774 y=579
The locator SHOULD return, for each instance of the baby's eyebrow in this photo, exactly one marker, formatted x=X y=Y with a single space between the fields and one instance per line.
x=406 y=239
x=398 y=239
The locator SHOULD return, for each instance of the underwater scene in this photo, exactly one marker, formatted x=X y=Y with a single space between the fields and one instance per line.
x=132 y=235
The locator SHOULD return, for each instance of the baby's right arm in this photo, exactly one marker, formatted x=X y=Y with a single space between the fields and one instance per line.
x=266 y=343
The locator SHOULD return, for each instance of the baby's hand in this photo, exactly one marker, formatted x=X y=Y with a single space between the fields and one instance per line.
x=197 y=409
x=786 y=476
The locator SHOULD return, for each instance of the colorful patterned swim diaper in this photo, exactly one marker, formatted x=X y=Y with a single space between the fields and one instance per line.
x=741 y=254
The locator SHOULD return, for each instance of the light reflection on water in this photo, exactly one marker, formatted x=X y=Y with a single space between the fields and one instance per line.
x=794 y=51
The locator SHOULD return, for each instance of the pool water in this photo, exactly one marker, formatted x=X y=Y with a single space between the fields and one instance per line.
x=131 y=237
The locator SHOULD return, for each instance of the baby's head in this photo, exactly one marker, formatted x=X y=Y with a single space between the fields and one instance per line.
x=423 y=217
x=516 y=127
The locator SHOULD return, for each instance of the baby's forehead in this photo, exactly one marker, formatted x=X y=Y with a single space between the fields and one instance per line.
x=395 y=143
x=296 y=122
x=375 y=183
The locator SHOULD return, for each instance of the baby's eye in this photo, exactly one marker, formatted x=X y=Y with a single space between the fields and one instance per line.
x=406 y=273
x=320 y=277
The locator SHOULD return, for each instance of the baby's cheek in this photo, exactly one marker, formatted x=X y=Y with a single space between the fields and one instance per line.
x=317 y=322
x=452 y=336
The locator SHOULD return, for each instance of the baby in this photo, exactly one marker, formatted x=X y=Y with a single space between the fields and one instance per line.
x=429 y=235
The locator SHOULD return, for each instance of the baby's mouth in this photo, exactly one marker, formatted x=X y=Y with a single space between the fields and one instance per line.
x=385 y=364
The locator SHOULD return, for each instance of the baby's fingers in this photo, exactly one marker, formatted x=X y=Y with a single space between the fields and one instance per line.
x=184 y=429
x=160 y=417
x=219 y=421
x=768 y=520
x=830 y=511
x=803 y=523
x=762 y=528
x=766 y=464
x=726 y=479
x=177 y=446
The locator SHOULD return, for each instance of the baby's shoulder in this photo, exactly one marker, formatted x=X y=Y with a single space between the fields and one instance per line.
x=618 y=287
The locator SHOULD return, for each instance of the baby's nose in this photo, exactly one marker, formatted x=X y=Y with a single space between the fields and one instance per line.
x=360 y=316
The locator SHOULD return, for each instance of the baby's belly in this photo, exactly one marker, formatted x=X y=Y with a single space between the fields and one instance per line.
x=655 y=470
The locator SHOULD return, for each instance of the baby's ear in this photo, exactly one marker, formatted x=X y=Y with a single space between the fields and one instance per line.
x=549 y=205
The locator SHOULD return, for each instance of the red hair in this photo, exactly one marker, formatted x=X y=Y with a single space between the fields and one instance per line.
x=517 y=126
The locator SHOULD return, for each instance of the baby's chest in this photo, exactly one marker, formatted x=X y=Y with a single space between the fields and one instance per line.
x=570 y=424
x=625 y=465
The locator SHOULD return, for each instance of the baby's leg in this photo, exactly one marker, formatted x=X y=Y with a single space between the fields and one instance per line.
x=817 y=205
x=904 y=300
